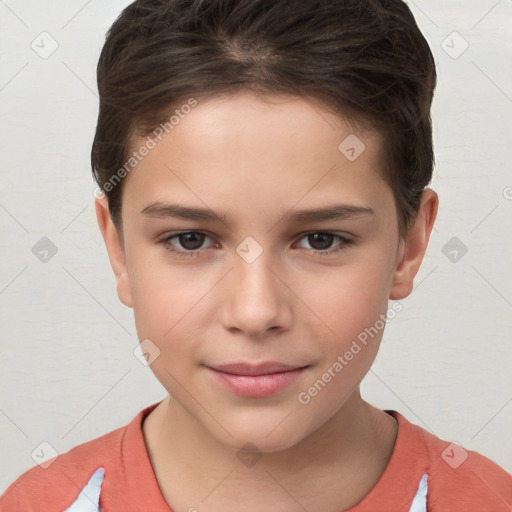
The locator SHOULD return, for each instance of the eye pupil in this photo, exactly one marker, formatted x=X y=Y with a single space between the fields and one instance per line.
x=317 y=237
x=191 y=241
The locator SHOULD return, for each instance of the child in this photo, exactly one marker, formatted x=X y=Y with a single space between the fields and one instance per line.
x=261 y=128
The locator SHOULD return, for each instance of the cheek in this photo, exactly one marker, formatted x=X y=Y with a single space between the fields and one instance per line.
x=350 y=298
x=162 y=314
x=164 y=293
x=352 y=305
x=172 y=308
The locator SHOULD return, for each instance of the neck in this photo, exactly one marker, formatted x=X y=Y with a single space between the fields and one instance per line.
x=332 y=469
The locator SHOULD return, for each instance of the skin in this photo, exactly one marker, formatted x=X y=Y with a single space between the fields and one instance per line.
x=255 y=159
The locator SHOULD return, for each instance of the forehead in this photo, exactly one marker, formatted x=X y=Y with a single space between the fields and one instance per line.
x=262 y=148
x=246 y=119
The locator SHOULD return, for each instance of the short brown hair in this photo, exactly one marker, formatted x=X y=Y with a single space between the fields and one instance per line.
x=366 y=59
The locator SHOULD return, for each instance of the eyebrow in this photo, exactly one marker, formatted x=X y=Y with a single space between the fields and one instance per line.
x=332 y=212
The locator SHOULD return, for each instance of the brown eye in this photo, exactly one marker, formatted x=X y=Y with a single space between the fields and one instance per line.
x=320 y=241
x=187 y=243
x=191 y=241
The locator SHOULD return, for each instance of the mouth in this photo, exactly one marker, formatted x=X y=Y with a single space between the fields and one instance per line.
x=256 y=381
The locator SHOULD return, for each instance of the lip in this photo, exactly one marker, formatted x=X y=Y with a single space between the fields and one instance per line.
x=256 y=381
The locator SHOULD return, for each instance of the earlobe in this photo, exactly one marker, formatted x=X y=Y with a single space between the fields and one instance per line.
x=116 y=251
x=414 y=246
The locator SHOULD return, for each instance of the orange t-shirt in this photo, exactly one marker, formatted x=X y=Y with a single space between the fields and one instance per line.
x=113 y=473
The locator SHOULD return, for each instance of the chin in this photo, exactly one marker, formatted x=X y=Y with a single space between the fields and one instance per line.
x=267 y=436
x=263 y=444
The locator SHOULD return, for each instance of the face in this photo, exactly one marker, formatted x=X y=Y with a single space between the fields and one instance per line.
x=257 y=254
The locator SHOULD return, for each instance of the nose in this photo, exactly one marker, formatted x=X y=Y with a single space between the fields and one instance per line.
x=255 y=298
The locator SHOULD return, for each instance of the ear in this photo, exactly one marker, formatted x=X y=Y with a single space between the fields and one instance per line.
x=115 y=249
x=414 y=245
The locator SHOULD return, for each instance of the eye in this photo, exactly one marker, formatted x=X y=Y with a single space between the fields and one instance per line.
x=190 y=241
x=321 y=242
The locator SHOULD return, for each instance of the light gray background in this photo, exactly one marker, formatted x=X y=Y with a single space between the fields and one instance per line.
x=67 y=369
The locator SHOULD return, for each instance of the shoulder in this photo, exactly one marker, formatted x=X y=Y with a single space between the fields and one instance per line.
x=56 y=484
x=457 y=476
x=63 y=482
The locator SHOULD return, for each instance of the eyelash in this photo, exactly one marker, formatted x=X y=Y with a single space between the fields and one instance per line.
x=344 y=244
